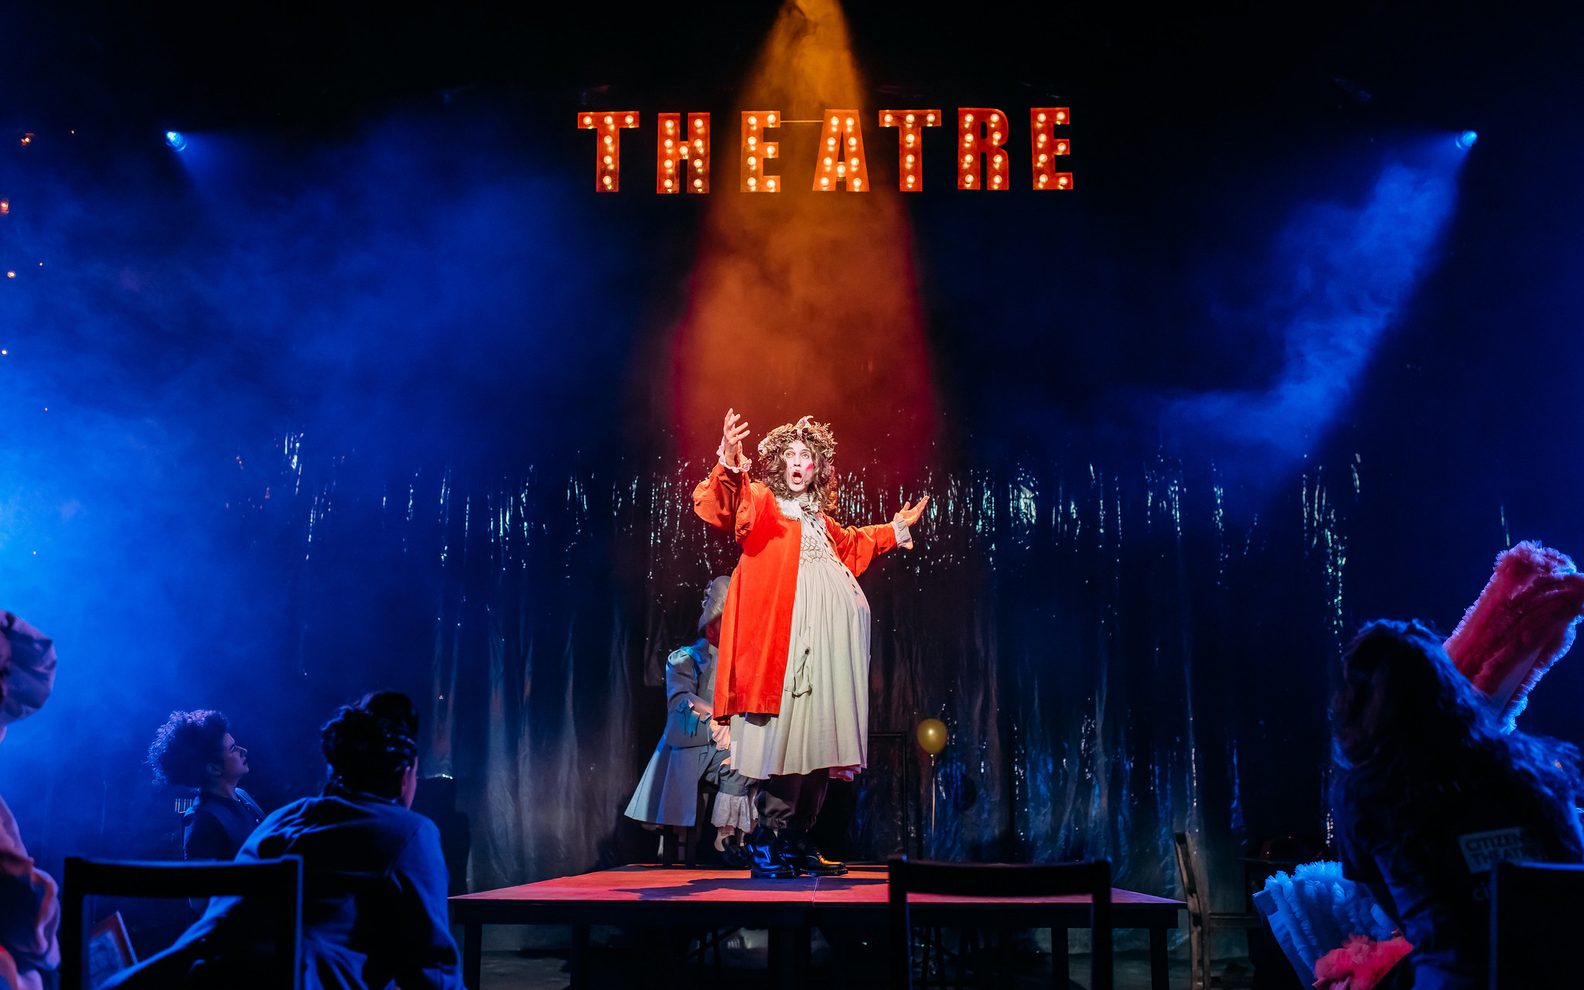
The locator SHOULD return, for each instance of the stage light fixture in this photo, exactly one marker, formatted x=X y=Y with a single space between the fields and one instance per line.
x=176 y=140
x=1466 y=139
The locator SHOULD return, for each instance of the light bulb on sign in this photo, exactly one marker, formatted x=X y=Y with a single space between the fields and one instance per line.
x=755 y=152
x=910 y=152
x=1043 y=122
x=607 y=151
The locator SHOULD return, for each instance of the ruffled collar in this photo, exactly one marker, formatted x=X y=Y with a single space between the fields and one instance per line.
x=805 y=505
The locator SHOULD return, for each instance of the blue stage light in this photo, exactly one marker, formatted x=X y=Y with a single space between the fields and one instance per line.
x=177 y=140
x=1466 y=139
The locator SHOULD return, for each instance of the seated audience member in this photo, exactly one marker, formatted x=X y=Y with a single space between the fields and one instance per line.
x=374 y=895
x=195 y=749
x=29 y=910
x=1430 y=792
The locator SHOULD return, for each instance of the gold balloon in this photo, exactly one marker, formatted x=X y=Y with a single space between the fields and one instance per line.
x=931 y=735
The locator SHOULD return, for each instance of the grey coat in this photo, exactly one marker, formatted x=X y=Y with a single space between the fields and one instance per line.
x=667 y=794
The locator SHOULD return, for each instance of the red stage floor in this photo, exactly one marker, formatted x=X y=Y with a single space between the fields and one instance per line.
x=653 y=895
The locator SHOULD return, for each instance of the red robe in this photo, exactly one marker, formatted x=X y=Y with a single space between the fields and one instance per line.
x=756 y=629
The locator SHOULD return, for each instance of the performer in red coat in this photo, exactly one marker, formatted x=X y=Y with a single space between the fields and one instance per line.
x=793 y=671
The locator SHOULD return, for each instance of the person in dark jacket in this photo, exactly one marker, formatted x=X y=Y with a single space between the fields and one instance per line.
x=374 y=879
x=1430 y=793
x=196 y=749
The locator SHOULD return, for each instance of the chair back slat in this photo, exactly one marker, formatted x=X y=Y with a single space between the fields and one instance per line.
x=275 y=880
x=1091 y=879
x=1535 y=910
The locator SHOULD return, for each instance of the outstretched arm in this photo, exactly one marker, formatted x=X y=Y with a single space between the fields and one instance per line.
x=857 y=546
x=725 y=499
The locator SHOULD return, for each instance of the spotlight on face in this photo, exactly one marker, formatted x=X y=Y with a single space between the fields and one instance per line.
x=1466 y=139
x=177 y=140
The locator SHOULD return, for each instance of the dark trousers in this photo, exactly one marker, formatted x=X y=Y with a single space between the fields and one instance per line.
x=792 y=799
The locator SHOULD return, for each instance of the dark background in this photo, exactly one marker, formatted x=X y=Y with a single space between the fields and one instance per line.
x=359 y=391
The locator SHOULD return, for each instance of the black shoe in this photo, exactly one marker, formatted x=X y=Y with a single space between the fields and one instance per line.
x=767 y=853
x=803 y=856
x=734 y=852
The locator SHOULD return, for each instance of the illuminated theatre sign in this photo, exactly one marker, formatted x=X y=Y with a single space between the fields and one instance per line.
x=981 y=149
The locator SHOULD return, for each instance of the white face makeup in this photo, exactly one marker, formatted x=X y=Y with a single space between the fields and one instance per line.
x=798 y=464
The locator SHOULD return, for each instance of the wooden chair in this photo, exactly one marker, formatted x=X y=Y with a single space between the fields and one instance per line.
x=1535 y=910
x=276 y=881
x=1203 y=923
x=1000 y=880
x=685 y=837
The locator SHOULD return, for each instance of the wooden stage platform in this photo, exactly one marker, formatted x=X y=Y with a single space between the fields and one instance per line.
x=703 y=898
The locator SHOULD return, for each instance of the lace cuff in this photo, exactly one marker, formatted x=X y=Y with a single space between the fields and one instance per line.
x=743 y=463
x=903 y=534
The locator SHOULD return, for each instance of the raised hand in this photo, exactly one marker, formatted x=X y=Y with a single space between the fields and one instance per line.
x=733 y=432
x=910 y=514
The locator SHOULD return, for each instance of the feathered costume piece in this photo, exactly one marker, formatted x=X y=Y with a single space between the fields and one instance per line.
x=1317 y=909
x=1360 y=963
x=1331 y=929
x=1521 y=624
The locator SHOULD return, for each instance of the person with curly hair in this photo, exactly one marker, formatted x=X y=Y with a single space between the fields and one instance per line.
x=792 y=678
x=1430 y=792
x=195 y=749
x=374 y=879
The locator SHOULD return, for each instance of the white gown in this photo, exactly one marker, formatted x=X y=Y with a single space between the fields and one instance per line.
x=824 y=719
